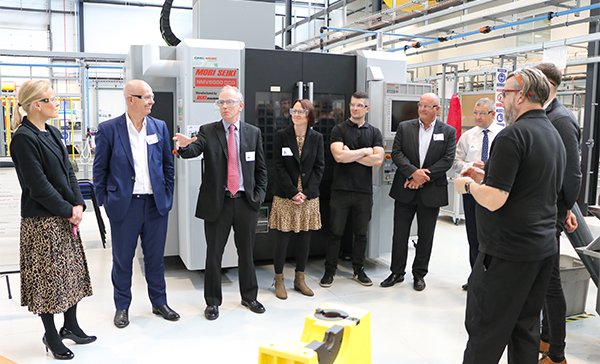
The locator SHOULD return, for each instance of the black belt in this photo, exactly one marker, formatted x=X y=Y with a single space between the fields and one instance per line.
x=237 y=194
x=143 y=195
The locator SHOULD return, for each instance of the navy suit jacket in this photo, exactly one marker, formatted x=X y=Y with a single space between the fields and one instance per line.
x=212 y=142
x=114 y=174
x=439 y=159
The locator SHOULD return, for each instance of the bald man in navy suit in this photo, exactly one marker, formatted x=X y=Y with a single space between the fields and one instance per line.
x=134 y=180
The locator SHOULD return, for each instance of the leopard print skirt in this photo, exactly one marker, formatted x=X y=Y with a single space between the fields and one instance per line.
x=54 y=271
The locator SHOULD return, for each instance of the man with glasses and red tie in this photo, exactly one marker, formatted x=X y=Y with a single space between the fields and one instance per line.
x=234 y=185
x=516 y=217
x=134 y=179
x=473 y=150
x=423 y=151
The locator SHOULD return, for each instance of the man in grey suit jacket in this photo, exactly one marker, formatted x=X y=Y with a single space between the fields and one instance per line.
x=233 y=186
x=423 y=151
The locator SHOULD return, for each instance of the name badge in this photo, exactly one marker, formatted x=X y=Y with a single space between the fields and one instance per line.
x=438 y=137
x=250 y=156
x=286 y=152
x=151 y=139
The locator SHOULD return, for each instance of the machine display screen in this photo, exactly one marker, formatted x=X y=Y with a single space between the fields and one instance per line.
x=403 y=110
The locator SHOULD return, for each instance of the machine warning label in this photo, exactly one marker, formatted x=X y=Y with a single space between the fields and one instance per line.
x=209 y=81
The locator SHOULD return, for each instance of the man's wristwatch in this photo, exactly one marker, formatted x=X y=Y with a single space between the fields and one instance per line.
x=468 y=188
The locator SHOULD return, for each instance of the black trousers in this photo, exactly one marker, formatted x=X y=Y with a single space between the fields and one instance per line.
x=470 y=207
x=236 y=213
x=343 y=204
x=504 y=301
x=426 y=220
x=302 y=241
x=554 y=312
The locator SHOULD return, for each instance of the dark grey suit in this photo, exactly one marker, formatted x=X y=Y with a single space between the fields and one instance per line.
x=220 y=212
x=426 y=201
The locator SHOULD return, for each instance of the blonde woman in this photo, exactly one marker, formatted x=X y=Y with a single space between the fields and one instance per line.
x=299 y=161
x=54 y=272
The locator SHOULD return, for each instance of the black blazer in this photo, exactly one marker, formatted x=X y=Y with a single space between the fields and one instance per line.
x=289 y=165
x=568 y=129
x=48 y=183
x=439 y=159
x=213 y=143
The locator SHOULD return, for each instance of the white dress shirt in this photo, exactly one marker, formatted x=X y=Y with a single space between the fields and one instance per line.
x=139 y=151
x=425 y=136
x=468 y=149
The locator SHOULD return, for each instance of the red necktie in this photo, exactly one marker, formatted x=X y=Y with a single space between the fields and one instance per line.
x=233 y=173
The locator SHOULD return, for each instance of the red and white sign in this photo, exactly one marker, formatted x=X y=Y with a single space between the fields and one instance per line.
x=209 y=81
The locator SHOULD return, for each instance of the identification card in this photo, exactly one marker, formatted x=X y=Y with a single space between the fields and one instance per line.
x=151 y=139
x=286 y=152
x=438 y=137
x=250 y=156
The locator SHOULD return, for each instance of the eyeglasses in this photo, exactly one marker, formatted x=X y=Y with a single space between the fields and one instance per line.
x=358 y=106
x=227 y=102
x=427 y=107
x=298 y=112
x=48 y=100
x=505 y=91
x=144 y=97
x=482 y=113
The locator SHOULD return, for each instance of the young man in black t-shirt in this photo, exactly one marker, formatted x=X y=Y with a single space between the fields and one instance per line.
x=516 y=219
x=357 y=147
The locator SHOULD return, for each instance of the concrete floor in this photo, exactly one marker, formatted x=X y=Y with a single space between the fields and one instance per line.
x=406 y=326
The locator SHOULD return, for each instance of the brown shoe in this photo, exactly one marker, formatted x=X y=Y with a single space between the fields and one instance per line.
x=544 y=347
x=300 y=285
x=280 y=291
x=546 y=360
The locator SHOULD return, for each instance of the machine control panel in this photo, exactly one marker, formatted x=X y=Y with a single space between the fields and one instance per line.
x=388 y=168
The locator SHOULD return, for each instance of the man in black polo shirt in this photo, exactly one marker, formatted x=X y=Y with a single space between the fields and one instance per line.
x=356 y=146
x=516 y=217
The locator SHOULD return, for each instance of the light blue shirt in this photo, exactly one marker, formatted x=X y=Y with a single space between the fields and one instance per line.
x=425 y=136
x=236 y=132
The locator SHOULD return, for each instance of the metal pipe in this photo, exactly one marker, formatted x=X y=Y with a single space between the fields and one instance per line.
x=288 y=23
x=501 y=26
x=133 y=3
x=503 y=36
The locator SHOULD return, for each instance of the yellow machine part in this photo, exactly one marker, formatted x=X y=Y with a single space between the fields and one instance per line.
x=355 y=347
x=390 y=4
x=287 y=353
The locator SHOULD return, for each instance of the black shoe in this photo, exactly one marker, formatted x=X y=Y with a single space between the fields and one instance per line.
x=419 y=284
x=67 y=355
x=121 y=319
x=67 y=334
x=166 y=312
x=254 y=306
x=326 y=281
x=392 y=279
x=361 y=277
x=465 y=287
x=211 y=312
